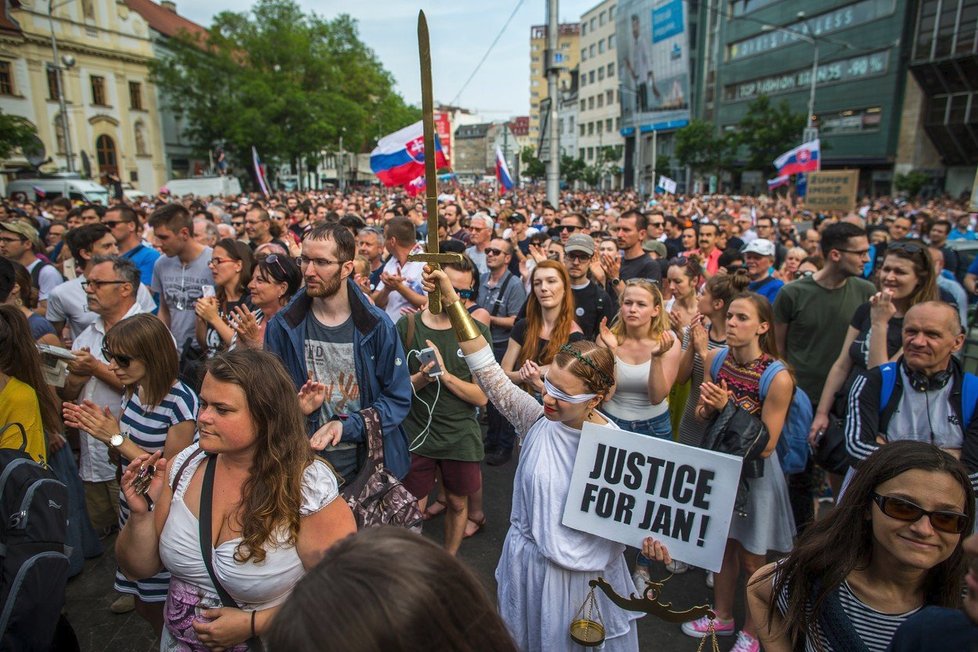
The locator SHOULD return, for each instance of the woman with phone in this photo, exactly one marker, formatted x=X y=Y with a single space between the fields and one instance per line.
x=230 y=264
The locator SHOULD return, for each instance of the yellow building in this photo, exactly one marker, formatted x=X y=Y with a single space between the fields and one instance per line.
x=113 y=118
x=568 y=45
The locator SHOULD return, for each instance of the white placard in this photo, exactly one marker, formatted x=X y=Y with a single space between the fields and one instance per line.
x=628 y=486
x=667 y=184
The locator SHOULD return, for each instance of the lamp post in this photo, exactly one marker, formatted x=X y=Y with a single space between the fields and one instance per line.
x=57 y=66
x=811 y=131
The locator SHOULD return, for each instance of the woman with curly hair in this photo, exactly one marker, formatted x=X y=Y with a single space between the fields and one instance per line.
x=274 y=508
x=549 y=324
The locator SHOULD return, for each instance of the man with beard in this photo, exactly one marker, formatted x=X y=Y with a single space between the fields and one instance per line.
x=333 y=338
x=453 y=217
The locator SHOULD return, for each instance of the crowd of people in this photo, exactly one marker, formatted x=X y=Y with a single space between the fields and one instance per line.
x=229 y=357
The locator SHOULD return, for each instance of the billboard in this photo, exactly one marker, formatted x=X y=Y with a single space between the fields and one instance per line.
x=653 y=63
x=443 y=127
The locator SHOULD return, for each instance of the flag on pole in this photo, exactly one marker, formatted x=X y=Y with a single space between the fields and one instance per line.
x=777 y=182
x=804 y=158
x=39 y=192
x=398 y=158
x=416 y=186
x=502 y=173
x=260 y=172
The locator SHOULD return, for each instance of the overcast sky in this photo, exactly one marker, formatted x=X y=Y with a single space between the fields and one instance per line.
x=461 y=32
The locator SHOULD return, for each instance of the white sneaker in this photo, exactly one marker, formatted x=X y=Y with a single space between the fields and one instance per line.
x=677 y=567
x=641 y=578
x=709 y=579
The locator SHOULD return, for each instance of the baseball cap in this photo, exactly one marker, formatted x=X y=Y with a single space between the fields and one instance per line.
x=761 y=247
x=24 y=230
x=516 y=217
x=580 y=242
x=652 y=245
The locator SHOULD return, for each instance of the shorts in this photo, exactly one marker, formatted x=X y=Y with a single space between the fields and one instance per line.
x=102 y=503
x=459 y=478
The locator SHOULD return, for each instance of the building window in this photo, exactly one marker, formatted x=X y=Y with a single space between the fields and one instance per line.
x=600 y=101
x=106 y=154
x=6 y=78
x=583 y=80
x=583 y=29
x=590 y=102
x=590 y=77
x=611 y=42
x=590 y=129
x=600 y=74
x=565 y=46
x=52 y=83
x=618 y=124
x=582 y=130
x=590 y=153
x=583 y=54
x=594 y=24
x=590 y=50
x=601 y=18
x=600 y=127
x=611 y=97
x=601 y=47
x=583 y=107
x=98 y=90
x=611 y=69
x=136 y=96
x=607 y=125
x=611 y=12
x=571 y=123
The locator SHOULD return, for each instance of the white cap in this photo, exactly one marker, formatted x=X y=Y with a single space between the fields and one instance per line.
x=761 y=247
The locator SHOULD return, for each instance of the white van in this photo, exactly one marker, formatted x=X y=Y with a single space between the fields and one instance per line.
x=204 y=186
x=72 y=187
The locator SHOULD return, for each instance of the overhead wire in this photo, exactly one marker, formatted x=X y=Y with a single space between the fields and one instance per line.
x=502 y=31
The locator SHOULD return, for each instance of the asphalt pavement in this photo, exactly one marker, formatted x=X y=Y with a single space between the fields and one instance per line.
x=90 y=594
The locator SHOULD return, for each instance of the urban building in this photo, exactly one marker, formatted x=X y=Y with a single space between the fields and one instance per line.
x=566 y=57
x=471 y=144
x=104 y=48
x=599 y=113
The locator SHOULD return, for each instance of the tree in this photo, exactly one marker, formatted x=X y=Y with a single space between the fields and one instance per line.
x=767 y=131
x=15 y=132
x=572 y=169
x=911 y=183
x=534 y=168
x=699 y=147
x=284 y=81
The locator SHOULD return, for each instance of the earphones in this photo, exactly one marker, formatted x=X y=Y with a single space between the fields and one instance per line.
x=423 y=435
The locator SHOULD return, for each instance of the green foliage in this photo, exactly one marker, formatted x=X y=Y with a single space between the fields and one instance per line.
x=699 y=147
x=533 y=168
x=767 y=131
x=284 y=81
x=605 y=164
x=15 y=132
x=911 y=183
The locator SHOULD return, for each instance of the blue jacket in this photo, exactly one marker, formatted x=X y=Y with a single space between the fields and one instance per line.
x=382 y=374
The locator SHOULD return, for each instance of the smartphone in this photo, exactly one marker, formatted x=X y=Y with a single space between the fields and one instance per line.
x=427 y=355
x=206 y=291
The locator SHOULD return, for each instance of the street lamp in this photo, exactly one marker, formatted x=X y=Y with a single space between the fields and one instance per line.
x=808 y=38
x=59 y=65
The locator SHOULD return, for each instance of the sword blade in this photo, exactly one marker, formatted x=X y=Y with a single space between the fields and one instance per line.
x=428 y=121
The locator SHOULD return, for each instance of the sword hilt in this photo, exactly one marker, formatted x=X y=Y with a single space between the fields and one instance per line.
x=435 y=261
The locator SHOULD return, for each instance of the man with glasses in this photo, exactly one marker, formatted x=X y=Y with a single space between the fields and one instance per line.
x=930 y=396
x=19 y=242
x=811 y=318
x=502 y=294
x=238 y=222
x=124 y=224
x=480 y=233
x=765 y=229
x=592 y=301
x=110 y=289
x=332 y=335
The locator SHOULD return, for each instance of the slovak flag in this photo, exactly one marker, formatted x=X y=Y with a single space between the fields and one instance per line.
x=502 y=173
x=259 y=171
x=416 y=186
x=777 y=182
x=398 y=158
x=804 y=158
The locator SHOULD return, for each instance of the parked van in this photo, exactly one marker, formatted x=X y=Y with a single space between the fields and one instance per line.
x=72 y=187
x=204 y=186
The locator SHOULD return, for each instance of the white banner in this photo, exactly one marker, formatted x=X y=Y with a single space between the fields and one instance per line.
x=667 y=184
x=628 y=486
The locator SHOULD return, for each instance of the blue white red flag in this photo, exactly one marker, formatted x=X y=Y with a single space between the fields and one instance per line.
x=804 y=158
x=502 y=173
x=39 y=192
x=398 y=158
x=259 y=172
x=416 y=186
x=777 y=182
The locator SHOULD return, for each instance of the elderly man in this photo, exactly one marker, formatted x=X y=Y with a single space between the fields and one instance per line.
x=758 y=258
x=480 y=233
x=205 y=232
x=925 y=395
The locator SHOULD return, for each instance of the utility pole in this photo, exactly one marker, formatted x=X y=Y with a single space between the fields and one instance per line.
x=553 y=73
x=62 y=104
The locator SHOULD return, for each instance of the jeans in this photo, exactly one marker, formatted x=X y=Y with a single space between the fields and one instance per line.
x=660 y=426
x=500 y=434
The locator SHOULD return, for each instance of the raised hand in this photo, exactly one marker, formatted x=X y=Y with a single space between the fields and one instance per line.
x=136 y=500
x=607 y=338
x=311 y=396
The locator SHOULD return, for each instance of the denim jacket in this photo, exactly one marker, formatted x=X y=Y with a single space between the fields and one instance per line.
x=382 y=374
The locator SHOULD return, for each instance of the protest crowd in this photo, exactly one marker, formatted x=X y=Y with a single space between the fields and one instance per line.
x=238 y=365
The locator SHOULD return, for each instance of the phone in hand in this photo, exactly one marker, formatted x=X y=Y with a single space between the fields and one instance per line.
x=207 y=291
x=427 y=355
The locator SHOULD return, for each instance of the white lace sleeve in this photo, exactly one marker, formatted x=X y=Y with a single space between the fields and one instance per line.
x=520 y=408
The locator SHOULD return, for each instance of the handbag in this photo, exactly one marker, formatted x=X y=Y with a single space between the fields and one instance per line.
x=375 y=495
x=206 y=544
x=737 y=432
x=830 y=451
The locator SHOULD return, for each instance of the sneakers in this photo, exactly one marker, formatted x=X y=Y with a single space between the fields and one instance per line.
x=709 y=579
x=677 y=567
x=700 y=628
x=641 y=578
x=745 y=643
x=499 y=457
x=123 y=604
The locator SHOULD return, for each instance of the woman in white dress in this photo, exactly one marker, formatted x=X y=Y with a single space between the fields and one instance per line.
x=545 y=567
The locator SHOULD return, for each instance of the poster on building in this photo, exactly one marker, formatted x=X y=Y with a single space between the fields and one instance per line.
x=626 y=486
x=653 y=64
x=832 y=190
x=443 y=126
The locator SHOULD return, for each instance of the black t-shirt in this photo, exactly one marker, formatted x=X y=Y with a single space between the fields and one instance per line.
x=936 y=629
x=518 y=335
x=514 y=262
x=862 y=321
x=641 y=267
x=592 y=303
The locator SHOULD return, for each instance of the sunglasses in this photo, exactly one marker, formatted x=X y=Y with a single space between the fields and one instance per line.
x=567 y=227
x=911 y=248
x=114 y=223
x=679 y=260
x=122 y=360
x=490 y=251
x=272 y=259
x=904 y=510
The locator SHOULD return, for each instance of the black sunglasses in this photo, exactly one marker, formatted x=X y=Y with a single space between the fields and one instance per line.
x=494 y=252
x=904 y=510
x=272 y=259
x=911 y=248
x=568 y=227
x=122 y=360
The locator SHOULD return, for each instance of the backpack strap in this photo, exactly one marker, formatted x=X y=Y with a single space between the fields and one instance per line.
x=969 y=398
x=768 y=377
x=502 y=295
x=23 y=433
x=888 y=378
x=721 y=355
x=374 y=434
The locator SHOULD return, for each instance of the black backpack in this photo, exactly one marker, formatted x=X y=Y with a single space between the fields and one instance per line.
x=33 y=559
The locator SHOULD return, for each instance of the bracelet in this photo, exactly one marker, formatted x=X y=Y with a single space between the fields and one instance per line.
x=462 y=322
x=253 y=635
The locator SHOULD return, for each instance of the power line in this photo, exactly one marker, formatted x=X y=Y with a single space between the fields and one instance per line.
x=502 y=31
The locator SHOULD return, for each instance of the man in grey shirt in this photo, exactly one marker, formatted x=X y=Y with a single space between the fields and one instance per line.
x=180 y=274
x=502 y=294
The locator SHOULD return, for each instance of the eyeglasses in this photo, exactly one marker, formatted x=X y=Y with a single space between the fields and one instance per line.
x=657 y=225
x=911 y=248
x=568 y=227
x=575 y=256
x=904 y=510
x=114 y=223
x=490 y=251
x=318 y=262
x=12 y=239
x=98 y=285
x=122 y=360
x=216 y=260
x=236 y=224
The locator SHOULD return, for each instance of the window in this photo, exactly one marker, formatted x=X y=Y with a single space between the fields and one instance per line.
x=590 y=102
x=583 y=29
x=570 y=120
x=611 y=69
x=600 y=74
x=590 y=129
x=535 y=83
x=583 y=108
x=590 y=153
x=583 y=54
x=565 y=46
x=594 y=24
x=583 y=80
x=136 y=96
x=590 y=51
x=601 y=47
x=610 y=97
x=600 y=101
x=600 y=126
x=601 y=18
x=590 y=77
x=611 y=12
x=607 y=124
x=618 y=124
x=611 y=42
x=583 y=130
x=98 y=90
x=6 y=78
x=52 y=83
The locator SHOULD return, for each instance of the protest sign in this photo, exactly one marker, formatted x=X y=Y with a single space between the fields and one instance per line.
x=833 y=190
x=627 y=486
x=668 y=185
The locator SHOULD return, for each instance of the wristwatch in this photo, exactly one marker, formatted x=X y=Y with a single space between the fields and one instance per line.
x=117 y=440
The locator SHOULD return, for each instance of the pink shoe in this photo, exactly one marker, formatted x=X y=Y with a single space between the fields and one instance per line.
x=700 y=628
x=746 y=643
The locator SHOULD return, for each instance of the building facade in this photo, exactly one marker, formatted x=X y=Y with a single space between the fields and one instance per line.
x=471 y=145
x=599 y=96
x=112 y=112
x=568 y=46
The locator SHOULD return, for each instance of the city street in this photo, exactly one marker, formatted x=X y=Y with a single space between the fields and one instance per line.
x=98 y=629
